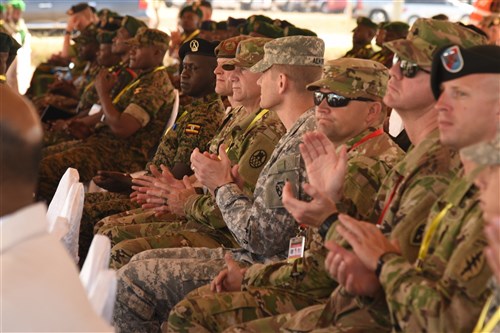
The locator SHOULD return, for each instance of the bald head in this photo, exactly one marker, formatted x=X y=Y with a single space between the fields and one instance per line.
x=20 y=150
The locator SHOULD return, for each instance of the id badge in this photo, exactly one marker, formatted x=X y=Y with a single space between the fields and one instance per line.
x=296 y=248
x=96 y=108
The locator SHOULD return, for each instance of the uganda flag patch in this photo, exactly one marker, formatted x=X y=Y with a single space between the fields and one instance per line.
x=192 y=129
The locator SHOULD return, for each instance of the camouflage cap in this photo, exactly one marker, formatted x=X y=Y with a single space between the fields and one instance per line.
x=79 y=7
x=227 y=48
x=131 y=24
x=106 y=37
x=191 y=9
x=427 y=35
x=354 y=78
x=294 y=51
x=365 y=21
x=249 y=52
x=264 y=29
x=484 y=153
x=260 y=18
x=294 y=31
x=150 y=37
x=8 y=43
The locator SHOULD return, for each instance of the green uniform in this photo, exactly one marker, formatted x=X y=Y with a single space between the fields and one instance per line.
x=149 y=99
x=383 y=56
x=251 y=139
x=203 y=114
x=288 y=286
x=364 y=52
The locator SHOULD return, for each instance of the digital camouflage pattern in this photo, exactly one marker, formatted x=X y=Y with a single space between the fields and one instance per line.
x=248 y=53
x=250 y=144
x=450 y=290
x=150 y=101
x=284 y=286
x=353 y=78
x=428 y=35
x=484 y=153
x=137 y=313
x=294 y=51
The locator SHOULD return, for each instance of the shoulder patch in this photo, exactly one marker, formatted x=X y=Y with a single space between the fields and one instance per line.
x=258 y=159
x=418 y=235
x=472 y=264
x=279 y=188
x=192 y=129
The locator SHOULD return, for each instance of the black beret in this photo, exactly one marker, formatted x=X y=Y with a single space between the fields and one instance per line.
x=453 y=62
x=198 y=46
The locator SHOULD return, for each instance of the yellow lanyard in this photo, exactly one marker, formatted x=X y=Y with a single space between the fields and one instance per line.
x=480 y=327
x=193 y=34
x=258 y=117
x=132 y=85
x=424 y=248
x=3 y=78
x=175 y=124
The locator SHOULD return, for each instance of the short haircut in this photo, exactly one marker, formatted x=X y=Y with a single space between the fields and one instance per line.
x=301 y=76
x=20 y=159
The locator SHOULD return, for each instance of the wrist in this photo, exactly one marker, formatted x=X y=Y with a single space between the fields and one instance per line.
x=384 y=257
x=220 y=186
x=327 y=223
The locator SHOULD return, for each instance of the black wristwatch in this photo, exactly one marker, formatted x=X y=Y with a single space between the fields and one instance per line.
x=325 y=226
x=381 y=261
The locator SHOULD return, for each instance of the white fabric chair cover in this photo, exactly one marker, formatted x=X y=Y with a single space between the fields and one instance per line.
x=97 y=260
x=175 y=110
x=69 y=178
x=103 y=294
x=60 y=227
x=72 y=210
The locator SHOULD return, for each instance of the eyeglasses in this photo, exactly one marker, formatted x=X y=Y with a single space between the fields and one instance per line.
x=334 y=100
x=408 y=69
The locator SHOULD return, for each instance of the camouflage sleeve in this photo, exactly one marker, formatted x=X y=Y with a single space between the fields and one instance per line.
x=255 y=153
x=304 y=275
x=452 y=303
x=256 y=222
x=196 y=130
x=203 y=209
x=152 y=92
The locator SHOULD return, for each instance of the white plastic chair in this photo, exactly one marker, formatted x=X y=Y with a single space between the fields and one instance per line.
x=99 y=281
x=70 y=177
x=72 y=211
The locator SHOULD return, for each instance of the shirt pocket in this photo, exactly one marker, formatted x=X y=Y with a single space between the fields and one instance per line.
x=286 y=169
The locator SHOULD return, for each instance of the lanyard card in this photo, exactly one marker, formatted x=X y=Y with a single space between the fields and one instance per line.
x=296 y=249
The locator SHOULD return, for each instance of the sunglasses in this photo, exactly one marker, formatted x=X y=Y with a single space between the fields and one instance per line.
x=334 y=100
x=408 y=69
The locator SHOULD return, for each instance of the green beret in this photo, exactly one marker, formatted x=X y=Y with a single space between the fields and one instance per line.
x=198 y=46
x=192 y=9
x=260 y=18
x=294 y=31
x=222 y=25
x=106 y=37
x=8 y=43
x=396 y=26
x=266 y=29
x=131 y=24
x=233 y=22
x=17 y=4
x=208 y=25
x=365 y=21
x=282 y=23
x=79 y=7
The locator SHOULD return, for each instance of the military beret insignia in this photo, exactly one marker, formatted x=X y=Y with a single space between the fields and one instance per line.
x=258 y=158
x=192 y=129
x=452 y=59
x=194 y=45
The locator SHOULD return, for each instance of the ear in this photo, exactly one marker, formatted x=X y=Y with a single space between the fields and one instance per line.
x=374 y=113
x=282 y=83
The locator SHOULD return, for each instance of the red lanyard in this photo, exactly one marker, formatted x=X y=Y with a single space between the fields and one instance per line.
x=370 y=136
x=391 y=197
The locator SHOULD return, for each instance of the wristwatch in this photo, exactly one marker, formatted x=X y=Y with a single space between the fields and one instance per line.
x=382 y=260
x=325 y=226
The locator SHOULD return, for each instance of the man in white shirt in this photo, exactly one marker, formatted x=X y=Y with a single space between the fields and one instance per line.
x=40 y=288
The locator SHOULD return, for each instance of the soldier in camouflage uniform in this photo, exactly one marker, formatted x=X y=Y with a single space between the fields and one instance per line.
x=195 y=125
x=163 y=281
x=388 y=32
x=401 y=206
x=355 y=122
x=8 y=51
x=133 y=120
x=487 y=155
x=250 y=137
x=362 y=37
